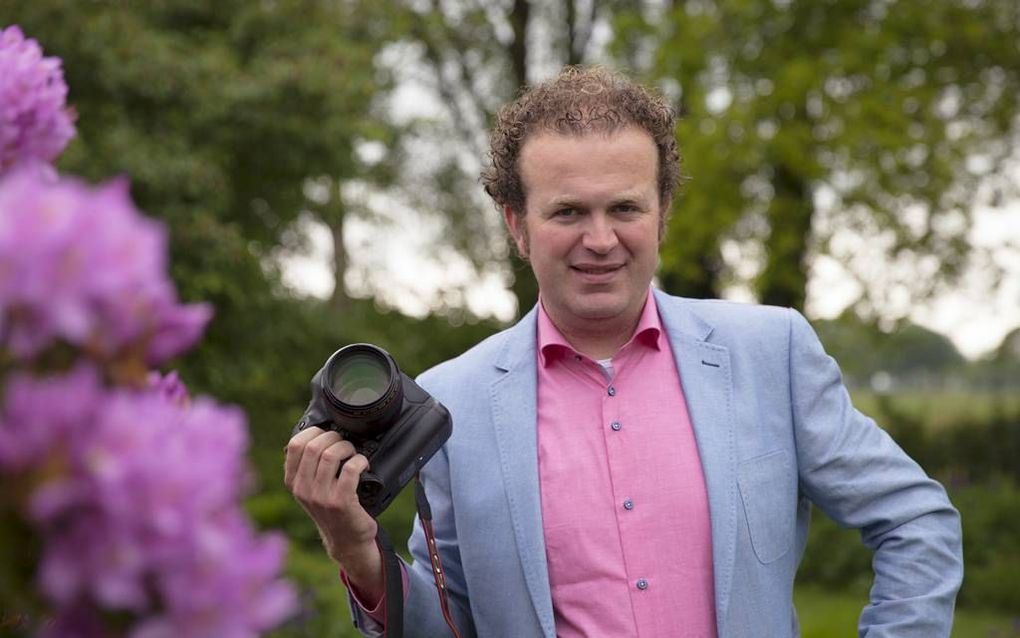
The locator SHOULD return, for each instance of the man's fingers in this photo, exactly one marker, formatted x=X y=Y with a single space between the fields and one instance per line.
x=330 y=461
x=347 y=483
x=295 y=448
x=310 y=454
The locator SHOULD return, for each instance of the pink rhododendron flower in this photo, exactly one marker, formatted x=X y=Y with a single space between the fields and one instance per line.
x=170 y=386
x=136 y=501
x=35 y=123
x=80 y=264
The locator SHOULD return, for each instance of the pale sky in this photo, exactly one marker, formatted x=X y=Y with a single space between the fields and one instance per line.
x=976 y=316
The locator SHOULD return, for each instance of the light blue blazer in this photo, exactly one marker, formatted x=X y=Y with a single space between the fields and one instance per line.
x=776 y=432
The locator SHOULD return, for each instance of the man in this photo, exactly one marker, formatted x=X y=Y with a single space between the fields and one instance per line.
x=624 y=462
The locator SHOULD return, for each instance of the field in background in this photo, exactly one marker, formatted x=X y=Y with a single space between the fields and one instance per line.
x=939 y=410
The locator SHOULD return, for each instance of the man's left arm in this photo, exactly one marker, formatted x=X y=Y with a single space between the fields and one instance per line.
x=856 y=473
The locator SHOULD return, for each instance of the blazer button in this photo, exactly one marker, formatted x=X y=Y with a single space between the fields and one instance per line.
x=642 y=584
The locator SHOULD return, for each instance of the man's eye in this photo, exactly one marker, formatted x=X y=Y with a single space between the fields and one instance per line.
x=566 y=213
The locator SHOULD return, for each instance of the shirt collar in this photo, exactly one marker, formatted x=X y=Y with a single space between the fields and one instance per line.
x=552 y=345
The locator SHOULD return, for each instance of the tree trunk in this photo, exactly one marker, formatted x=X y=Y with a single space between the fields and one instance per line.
x=784 y=280
x=333 y=217
x=519 y=17
x=524 y=286
x=704 y=286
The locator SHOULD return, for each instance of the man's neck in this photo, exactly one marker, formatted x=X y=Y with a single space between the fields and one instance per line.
x=602 y=342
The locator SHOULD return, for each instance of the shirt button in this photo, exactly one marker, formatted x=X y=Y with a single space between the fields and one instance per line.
x=612 y=391
x=616 y=426
x=642 y=584
x=628 y=504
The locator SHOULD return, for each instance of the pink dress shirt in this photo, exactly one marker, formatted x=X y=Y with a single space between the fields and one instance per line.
x=624 y=505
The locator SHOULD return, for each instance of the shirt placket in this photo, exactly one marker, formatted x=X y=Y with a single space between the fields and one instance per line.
x=616 y=431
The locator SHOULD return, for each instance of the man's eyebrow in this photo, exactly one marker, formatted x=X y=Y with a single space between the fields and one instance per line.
x=563 y=201
x=628 y=198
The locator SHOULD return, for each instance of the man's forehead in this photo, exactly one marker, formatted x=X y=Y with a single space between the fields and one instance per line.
x=549 y=152
x=605 y=133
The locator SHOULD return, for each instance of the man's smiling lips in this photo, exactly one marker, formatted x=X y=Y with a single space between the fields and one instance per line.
x=596 y=273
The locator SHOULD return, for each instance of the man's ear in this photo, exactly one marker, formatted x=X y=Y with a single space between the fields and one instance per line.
x=515 y=226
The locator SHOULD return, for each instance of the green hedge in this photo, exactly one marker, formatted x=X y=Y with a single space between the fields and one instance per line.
x=973 y=449
x=836 y=558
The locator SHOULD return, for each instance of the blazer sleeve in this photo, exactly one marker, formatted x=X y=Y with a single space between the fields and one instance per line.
x=860 y=477
x=423 y=616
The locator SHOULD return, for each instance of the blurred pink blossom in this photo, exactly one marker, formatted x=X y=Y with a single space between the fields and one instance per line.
x=35 y=123
x=170 y=386
x=80 y=264
x=136 y=502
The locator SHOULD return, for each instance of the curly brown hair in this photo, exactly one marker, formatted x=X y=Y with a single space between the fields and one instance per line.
x=578 y=101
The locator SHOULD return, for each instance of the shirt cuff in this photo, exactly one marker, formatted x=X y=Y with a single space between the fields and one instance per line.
x=377 y=612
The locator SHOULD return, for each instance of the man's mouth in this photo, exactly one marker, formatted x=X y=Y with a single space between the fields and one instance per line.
x=591 y=269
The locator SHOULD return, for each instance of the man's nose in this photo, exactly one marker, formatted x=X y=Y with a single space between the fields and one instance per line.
x=600 y=234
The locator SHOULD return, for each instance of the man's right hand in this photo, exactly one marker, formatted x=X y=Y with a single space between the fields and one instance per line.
x=314 y=458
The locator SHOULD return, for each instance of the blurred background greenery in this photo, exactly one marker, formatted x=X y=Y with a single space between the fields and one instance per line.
x=863 y=134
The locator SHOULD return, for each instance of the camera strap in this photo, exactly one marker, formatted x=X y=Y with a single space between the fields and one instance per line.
x=425 y=516
x=393 y=581
x=393 y=585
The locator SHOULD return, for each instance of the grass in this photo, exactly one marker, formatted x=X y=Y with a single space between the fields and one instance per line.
x=825 y=614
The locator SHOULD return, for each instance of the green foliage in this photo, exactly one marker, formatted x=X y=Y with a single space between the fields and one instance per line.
x=942 y=410
x=968 y=451
x=976 y=461
x=835 y=557
x=803 y=119
x=19 y=550
x=991 y=532
x=862 y=349
x=322 y=596
x=219 y=113
x=837 y=560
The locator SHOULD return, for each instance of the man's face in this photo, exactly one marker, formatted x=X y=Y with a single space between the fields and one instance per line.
x=591 y=225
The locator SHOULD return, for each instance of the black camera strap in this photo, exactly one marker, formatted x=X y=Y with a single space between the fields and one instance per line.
x=393 y=585
x=393 y=578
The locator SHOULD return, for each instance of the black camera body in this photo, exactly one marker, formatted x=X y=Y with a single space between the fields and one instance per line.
x=361 y=394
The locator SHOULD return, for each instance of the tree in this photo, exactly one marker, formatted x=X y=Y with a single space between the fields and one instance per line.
x=803 y=120
x=220 y=113
x=474 y=57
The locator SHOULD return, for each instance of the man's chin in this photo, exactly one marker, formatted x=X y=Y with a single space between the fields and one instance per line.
x=590 y=309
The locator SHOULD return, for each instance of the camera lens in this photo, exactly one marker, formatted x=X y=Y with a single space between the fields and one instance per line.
x=362 y=385
x=360 y=379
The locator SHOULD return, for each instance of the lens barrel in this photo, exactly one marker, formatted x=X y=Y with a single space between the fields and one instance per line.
x=362 y=385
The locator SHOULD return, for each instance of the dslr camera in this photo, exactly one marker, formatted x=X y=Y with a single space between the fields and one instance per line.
x=361 y=394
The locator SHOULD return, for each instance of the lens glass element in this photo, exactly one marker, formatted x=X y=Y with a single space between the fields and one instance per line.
x=359 y=379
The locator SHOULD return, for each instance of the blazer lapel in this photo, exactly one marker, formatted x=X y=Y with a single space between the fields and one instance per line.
x=705 y=377
x=513 y=398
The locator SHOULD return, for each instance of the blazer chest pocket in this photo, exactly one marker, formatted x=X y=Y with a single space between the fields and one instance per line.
x=768 y=489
